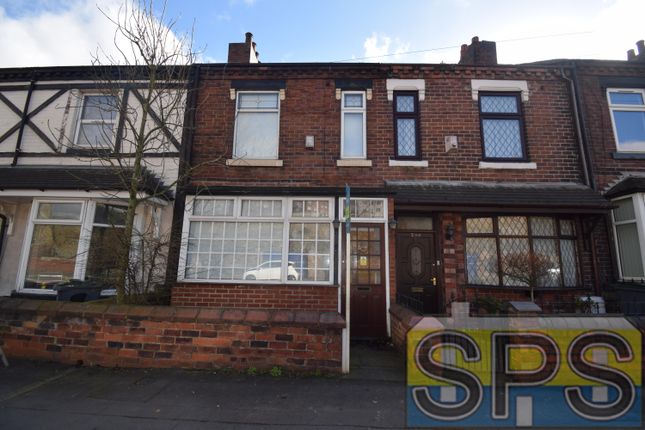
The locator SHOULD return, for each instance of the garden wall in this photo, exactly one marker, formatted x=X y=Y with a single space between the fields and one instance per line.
x=165 y=336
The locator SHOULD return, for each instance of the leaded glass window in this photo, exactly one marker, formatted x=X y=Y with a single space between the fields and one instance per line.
x=406 y=124
x=501 y=126
x=543 y=246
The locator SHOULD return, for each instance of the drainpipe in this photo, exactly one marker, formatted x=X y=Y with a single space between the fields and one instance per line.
x=23 y=121
x=581 y=133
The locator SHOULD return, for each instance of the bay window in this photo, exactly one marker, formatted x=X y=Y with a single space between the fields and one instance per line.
x=71 y=240
x=230 y=239
x=497 y=246
x=627 y=236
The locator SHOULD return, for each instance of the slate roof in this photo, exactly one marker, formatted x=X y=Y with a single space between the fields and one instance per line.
x=552 y=196
x=78 y=178
x=629 y=185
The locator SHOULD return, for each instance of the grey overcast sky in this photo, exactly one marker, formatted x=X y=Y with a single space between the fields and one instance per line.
x=64 y=32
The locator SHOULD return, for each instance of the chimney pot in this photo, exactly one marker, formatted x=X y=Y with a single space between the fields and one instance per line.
x=243 y=52
x=249 y=37
x=631 y=55
x=641 y=47
x=479 y=53
x=475 y=39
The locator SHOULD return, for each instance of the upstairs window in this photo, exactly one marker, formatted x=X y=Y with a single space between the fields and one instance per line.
x=501 y=126
x=406 y=124
x=353 y=143
x=627 y=109
x=257 y=125
x=97 y=122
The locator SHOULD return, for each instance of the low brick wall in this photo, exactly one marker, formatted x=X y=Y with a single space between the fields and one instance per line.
x=319 y=298
x=166 y=336
x=402 y=320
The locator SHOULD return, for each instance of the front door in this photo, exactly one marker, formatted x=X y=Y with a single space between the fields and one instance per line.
x=367 y=291
x=417 y=271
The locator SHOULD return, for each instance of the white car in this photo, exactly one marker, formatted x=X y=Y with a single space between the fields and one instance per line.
x=270 y=270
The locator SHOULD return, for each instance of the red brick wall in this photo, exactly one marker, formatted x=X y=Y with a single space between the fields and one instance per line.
x=155 y=336
x=321 y=298
x=598 y=120
x=311 y=108
x=402 y=320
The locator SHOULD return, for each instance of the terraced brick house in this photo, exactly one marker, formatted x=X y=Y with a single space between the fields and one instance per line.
x=452 y=169
x=611 y=100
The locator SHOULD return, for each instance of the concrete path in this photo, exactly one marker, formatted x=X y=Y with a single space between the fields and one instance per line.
x=51 y=396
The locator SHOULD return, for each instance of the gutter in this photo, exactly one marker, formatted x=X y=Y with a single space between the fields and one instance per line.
x=581 y=127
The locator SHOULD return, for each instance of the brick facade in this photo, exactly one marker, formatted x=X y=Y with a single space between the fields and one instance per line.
x=149 y=336
x=310 y=108
x=301 y=297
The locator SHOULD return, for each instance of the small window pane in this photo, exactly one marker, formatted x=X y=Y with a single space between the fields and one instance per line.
x=542 y=226
x=479 y=225
x=499 y=104
x=513 y=226
x=630 y=250
x=502 y=138
x=110 y=215
x=62 y=211
x=405 y=103
x=367 y=209
x=262 y=208
x=514 y=253
x=546 y=262
x=619 y=98
x=353 y=100
x=569 y=263
x=406 y=137
x=102 y=108
x=481 y=261
x=258 y=100
x=624 y=211
x=353 y=135
x=52 y=255
x=566 y=227
x=96 y=134
x=256 y=135
x=630 y=128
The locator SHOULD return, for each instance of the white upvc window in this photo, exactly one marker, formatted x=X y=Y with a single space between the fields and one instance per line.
x=629 y=236
x=353 y=142
x=257 y=125
x=69 y=239
x=97 y=120
x=627 y=107
x=257 y=240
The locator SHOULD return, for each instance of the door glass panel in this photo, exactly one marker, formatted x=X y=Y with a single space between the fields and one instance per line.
x=416 y=262
x=366 y=255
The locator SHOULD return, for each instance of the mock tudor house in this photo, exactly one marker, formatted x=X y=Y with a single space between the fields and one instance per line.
x=65 y=159
x=452 y=169
x=611 y=99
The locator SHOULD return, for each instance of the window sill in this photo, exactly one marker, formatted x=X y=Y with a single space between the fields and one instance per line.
x=507 y=165
x=628 y=155
x=251 y=162
x=408 y=163
x=353 y=163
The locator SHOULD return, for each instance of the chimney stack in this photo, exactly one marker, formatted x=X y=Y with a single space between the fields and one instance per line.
x=640 y=57
x=244 y=52
x=479 y=53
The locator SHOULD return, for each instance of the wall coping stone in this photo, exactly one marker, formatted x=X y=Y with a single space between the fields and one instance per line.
x=175 y=313
x=405 y=315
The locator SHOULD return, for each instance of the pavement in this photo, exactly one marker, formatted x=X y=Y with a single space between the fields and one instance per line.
x=39 y=395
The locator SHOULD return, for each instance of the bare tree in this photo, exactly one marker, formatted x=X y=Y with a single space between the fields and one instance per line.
x=529 y=269
x=133 y=126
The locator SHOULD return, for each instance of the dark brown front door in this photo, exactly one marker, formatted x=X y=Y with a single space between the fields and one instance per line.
x=367 y=291
x=416 y=270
